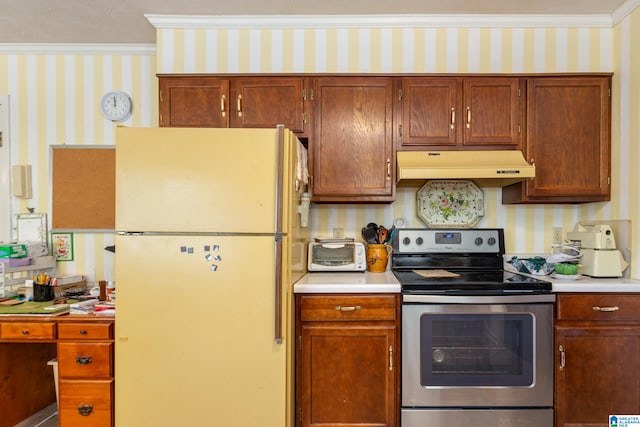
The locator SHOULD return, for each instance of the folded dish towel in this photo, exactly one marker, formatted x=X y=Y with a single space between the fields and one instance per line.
x=302 y=167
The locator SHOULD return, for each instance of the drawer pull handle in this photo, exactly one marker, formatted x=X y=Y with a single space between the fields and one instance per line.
x=85 y=410
x=25 y=332
x=83 y=360
x=348 y=307
x=83 y=332
x=607 y=309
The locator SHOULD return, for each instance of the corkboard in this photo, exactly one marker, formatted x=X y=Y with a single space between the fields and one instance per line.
x=83 y=187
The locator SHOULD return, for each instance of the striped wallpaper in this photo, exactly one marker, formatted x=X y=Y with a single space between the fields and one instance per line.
x=54 y=100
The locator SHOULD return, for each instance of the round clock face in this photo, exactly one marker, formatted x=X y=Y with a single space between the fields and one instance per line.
x=116 y=106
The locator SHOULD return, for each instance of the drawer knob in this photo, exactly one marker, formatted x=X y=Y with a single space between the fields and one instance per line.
x=612 y=308
x=25 y=332
x=83 y=360
x=83 y=332
x=85 y=410
x=348 y=308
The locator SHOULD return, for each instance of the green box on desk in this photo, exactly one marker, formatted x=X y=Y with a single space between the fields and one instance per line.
x=13 y=251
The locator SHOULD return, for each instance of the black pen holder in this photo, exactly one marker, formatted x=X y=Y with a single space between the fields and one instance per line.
x=42 y=293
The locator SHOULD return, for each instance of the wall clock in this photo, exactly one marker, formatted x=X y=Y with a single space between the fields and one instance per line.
x=116 y=106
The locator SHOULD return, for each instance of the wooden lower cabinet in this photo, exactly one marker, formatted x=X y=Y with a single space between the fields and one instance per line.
x=347 y=360
x=597 y=338
x=86 y=373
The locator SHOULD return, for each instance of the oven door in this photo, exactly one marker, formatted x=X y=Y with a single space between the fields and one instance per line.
x=477 y=355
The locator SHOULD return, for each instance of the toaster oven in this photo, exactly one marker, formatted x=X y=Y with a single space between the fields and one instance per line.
x=337 y=256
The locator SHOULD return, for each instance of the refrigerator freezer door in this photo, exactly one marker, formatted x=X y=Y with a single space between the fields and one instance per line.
x=195 y=332
x=201 y=180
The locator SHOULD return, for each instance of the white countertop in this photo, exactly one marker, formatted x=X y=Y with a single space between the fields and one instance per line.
x=591 y=284
x=355 y=282
x=387 y=283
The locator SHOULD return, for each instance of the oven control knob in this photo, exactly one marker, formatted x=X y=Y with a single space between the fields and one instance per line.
x=491 y=241
x=406 y=241
x=419 y=241
x=479 y=241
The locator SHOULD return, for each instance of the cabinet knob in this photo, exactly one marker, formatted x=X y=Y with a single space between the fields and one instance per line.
x=83 y=360
x=85 y=410
x=83 y=332
x=25 y=332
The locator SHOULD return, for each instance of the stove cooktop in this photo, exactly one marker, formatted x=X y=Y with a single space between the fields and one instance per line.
x=472 y=282
x=475 y=255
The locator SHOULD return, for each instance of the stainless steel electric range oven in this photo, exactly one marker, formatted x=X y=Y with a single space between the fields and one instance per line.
x=477 y=341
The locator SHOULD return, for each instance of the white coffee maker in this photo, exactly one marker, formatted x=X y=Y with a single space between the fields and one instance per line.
x=600 y=257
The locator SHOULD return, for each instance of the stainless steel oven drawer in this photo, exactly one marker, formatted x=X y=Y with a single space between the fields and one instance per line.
x=477 y=417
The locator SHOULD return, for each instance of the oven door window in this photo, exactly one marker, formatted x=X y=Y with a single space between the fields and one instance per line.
x=470 y=350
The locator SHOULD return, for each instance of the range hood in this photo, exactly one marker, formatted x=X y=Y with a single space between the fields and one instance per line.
x=486 y=168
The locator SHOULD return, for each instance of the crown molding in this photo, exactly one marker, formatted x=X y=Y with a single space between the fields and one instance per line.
x=77 y=49
x=624 y=10
x=375 y=21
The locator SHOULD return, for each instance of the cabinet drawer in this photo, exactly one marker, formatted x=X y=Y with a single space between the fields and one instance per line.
x=347 y=307
x=85 y=360
x=85 y=331
x=27 y=331
x=599 y=307
x=86 y=403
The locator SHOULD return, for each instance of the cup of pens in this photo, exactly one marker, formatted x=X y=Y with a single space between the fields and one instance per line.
x=42 y=289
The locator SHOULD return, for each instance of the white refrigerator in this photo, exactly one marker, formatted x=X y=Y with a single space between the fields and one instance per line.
x=209 y=243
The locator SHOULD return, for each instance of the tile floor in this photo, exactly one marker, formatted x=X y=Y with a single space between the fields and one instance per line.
x=48 y=417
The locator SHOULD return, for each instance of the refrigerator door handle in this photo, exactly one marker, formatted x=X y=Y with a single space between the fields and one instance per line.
x=278 y=291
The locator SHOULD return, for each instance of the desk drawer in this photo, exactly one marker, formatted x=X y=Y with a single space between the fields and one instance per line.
x=602 y=307
x=27 y=331
x=86 y=403
x=85 y=331
x=347 y=307
x=85 y=360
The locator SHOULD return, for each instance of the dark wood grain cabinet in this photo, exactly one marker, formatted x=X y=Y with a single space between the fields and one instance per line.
x=451 y=112
x=568 y=140
x=347 y=360
x=351 y=152
x=219 y=101
x=597 y=373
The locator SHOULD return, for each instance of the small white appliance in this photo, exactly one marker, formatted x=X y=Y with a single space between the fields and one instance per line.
x=337 y=255
x=600 y=257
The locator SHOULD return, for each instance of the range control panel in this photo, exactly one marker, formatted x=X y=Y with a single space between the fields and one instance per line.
x=474 y=240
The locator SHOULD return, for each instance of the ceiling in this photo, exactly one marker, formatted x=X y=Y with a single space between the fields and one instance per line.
x=123 y=21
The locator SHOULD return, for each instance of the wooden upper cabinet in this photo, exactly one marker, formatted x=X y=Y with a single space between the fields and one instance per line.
x=351 y=152
x=187 y=101
x=568 y=139
x=266 y=102
x=460 y=113
x=491 y=111
x=210 y=101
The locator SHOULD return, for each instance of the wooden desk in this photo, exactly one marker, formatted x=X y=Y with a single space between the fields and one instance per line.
x=84 y=347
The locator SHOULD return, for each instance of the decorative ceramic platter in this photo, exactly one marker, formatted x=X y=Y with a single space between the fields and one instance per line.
x=450 y=203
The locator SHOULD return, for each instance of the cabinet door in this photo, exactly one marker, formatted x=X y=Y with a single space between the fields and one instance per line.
x=267 y=102
x=347 y=375
x=430 y=111
x=352 y=152
x=194 y=102
x=491 y=113
x=597 y=374
x=568 y=139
